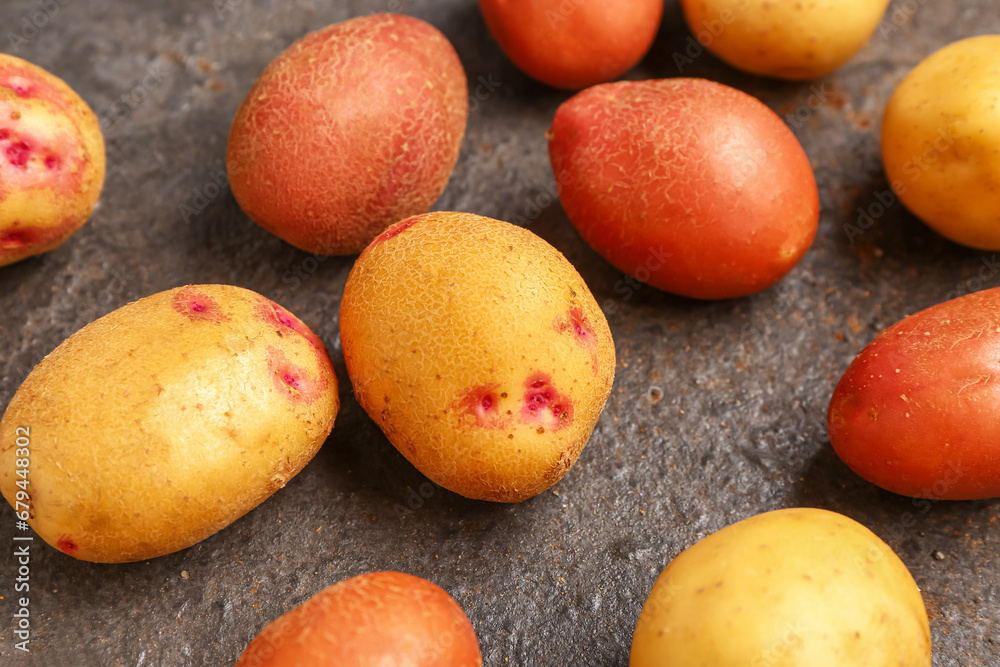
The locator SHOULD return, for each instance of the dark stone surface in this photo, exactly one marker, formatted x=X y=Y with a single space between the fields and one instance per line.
x=717 y=413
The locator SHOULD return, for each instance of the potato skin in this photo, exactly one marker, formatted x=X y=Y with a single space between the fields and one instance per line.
x=348 y=130
x=941 y=141
x=51 y=160
x=382 y=618
x=575 y=44
x=166 y=420
x=718 y=208
x=784 y=39
x=787 y=588
x=918 y=411
x=478 y=350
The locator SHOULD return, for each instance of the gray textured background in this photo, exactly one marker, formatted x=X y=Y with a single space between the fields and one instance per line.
x=717 y=413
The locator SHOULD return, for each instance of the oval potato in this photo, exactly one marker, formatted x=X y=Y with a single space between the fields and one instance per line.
x=350 y=129
x=380 y=619
x=786 y=39
x=573 y=44
x=788 y=588
x=164 y=421
x=51 y=160
x=717 y=208
x=478 y=350
x=918 y=411
x=941 y=141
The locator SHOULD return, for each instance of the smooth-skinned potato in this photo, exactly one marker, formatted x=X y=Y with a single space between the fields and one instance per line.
x=941 y=141
x=573 y=44
x=51 y=160
x=478 y=350
x=349 y=130
x=785 y=39
x=372 y=620
x=164 y=421
x=688 y=185
x=918 y=411
x=788 y=588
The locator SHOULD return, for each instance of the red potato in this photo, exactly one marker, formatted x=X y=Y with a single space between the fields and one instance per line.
x=372 y=620
x=51 y=160
x=350 y=129
x=918 y=411
x=688 y=185
x=573 y=44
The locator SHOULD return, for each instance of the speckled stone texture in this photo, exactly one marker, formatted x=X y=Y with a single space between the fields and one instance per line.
x=718 y=410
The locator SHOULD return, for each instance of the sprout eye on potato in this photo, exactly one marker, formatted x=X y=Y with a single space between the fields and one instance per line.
x=478 y=350
x=918 y=411
x=941 y=141
x=787 y=588
x=350 y=129
x=688 y=185
x=51 y=160
x=379 y=619
x=166 y=420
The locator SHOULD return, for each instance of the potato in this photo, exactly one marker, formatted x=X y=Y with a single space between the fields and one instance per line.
x=164 y=421
x=573 y=44
x=380 y=619
x=685 y=184
x=918 y=411
x=478 y=350
x=941 y=141
x=786 y=39
x=788 y=588
x=350 y=129
x=51 y=160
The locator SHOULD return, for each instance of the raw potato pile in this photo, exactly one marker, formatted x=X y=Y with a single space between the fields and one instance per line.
x=166 y=420
x=51 y=160
x=479 y=350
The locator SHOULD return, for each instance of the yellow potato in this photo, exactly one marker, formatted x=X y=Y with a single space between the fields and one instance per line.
x=941 y=141
x=786 y=39
x=478 y=350
x=164 y=421
x=789 y=588
x=51 y=160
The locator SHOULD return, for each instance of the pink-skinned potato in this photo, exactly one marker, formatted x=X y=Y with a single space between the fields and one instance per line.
x=51 y=160
x=350 y=129
x=573 y=45
x=688 y=185
x=380 y=619
x=918 y=411
x=164 y=421
x=479 y=351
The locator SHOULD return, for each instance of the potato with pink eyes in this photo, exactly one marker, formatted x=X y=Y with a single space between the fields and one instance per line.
x=51 y=160
x=164 y=421
x=479 y=351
